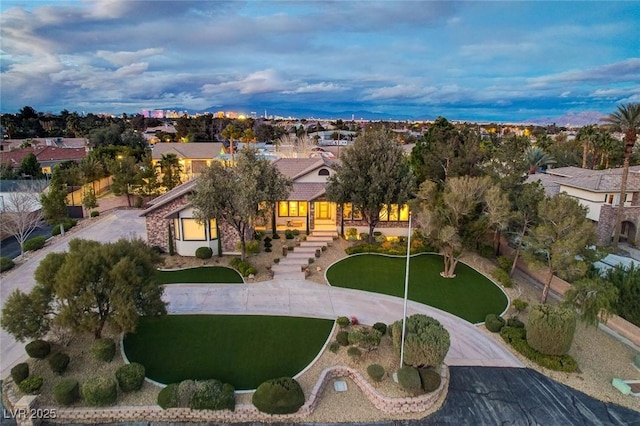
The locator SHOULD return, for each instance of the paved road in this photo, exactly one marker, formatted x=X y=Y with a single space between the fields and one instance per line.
x=119 y=224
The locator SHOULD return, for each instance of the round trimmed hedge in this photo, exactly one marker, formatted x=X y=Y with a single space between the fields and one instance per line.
x=376 y=372
x=31 y=385
x=409 y=379
x=67 y=391
x=130 y=377
x=279 y=396
x=103 y=349
x=494 y=323
x=204 y=252
x=19 y=372
x=58 y=362
x=550 y=329
x=100 y=391
x=38 y=349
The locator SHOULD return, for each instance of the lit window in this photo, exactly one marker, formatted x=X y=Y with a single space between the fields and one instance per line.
x=347 y=211
x=176 y=226
x=393 y=212
x=292 y=208
x=213 y=229
x=404 y=212
x=384 y=213
x=192 y=230
x=283 y=208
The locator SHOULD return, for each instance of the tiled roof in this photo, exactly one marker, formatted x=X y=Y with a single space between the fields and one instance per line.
x=298 y=167
x=43 y=154
x=191 y=150
x=306 y=191
x=590 y=180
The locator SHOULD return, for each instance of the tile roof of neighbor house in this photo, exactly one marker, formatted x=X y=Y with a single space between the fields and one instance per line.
x=298 y=167
x=591 y=180
x=191 y=150
x=59 y=142
x=43 y=154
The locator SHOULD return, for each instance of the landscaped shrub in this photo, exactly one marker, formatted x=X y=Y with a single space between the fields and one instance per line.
x=364 y=236
x=550 y=329
x=334 y=347
x=515 y=322
x=279 y=396
x=95 y=213
x=130 y=377
x=34 y=243
x=426 y=341
x=168 y=396
x=505 y=263
x=6 y=264
x=381 y=327
x=351 y=234
x=516 y=337
x=31 y=385
x=58 y=362
x=186 y=388
x=354 y=353
x=365 y=337
x=67 y=224
x=67 y=391
x=267 y=244
x=519 y=305
x=252 y=247
x=430 y=379
x=503 y=277
x=343 y=338
x=343 y=322
x=409 y=379
x=242 y=266
x=100 y=391
x=494 y=323
x=204 y=252
x=103 y=349
x=276 y=236
x=212 y=395
x=376 y=372
x=38 y=349
x=288 y=234
x=19 y=372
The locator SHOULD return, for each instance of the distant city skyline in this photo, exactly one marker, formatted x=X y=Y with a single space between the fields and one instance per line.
x=474 y=61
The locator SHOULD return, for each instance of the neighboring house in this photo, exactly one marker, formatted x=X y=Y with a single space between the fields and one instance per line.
x=599 y=191
x=48 y=156
x=193 y=157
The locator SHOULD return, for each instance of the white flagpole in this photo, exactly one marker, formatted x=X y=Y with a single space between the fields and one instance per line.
x=406 y=291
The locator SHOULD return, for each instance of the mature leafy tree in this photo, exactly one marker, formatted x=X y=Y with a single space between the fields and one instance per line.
x=89 y=199
x=525 y=215
x=30 y=166
x=561 y=239
x=87 y=288
x=626 y=119
x=455 y=218
x=627 y=281
x=233 y=133
x=566 y=153
x=373 y=173
x=235 y=195
x=126 y=176
x=133 y=139
x=101 y=137
x=149 y=183
x=497 y=211
x=595 y=299
x=506 y=163
x=54 y=199
x=171 y=171
x=21 y=212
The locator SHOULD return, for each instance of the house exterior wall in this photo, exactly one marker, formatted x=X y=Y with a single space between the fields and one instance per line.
x=592 y=200
x=158 y=226
x=607 y=222
x=388 y=228
x=314 y=177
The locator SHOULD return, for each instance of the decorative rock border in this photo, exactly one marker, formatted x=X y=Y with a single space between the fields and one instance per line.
x=242 y=413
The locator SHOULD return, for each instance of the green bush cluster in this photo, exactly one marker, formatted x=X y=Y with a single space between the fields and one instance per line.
x=19 y=372
x=103 y=349
x=396 y=249
x=430 y=379
x=288 y=234
x=6 y=264
x=515 y=322
x=204 y=253
x=505 y=263
x=100 y=391
x=58 y=362
x=354 y=353
x=67 y=391
x=198 y=395
x=252 y=246
x=334 y=347
x=409 y=379
x=279 y=396
x=426 y=341
x=503 y=277
x=516 y=337
x=351 y=234
x=343 y=322
x=130 y=377
x=38 y=349
x=35 y=243
x=67 y=224
x=31 y=385
x=376 y=372
x=494 y=323
x=343 y=338
x=95 y=213
x=381 y=327
x=550 y=329
x=242 y=266
x=365 y=337
x=520 y=305
x=627 y=281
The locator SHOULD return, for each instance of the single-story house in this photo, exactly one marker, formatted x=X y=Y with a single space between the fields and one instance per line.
x=48 y=156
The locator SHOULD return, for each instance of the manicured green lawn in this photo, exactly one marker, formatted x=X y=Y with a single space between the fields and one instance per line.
x=470 y=295
x=243 y=350
x=204 y=275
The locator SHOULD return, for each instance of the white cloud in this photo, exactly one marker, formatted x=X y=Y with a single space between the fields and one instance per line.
x=126 y=58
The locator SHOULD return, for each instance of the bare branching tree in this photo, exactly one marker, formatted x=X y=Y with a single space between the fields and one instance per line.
x=21 y=212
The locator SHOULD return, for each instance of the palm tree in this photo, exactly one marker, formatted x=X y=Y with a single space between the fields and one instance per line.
x=587 y=136
x=536 y=157
x=626 y=119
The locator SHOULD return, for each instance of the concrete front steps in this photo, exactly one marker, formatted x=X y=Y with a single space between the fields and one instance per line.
x=292 y=266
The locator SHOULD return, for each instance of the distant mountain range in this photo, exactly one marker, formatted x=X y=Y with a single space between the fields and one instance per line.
x=572 y=119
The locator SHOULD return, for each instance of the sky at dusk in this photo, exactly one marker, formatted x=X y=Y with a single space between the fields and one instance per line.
x=494 y=61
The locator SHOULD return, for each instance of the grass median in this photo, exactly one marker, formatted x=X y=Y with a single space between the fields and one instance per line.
x=200 y=275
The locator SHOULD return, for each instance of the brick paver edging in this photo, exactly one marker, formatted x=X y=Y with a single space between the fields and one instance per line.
x=243 y=412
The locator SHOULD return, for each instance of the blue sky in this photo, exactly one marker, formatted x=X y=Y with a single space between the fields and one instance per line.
x=501 y=61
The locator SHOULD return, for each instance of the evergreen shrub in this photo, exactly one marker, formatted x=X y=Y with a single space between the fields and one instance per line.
x=376 y=372
x=38 y=349
x=409 y=379
x=430 y=379
x=100 y=391
x=58 y=362
x=6 y=264
x=130 y=377
x=204 y=253
x=494 y=323
x=31 y=385
x=279 y=396
x=19 y=372
x=103 y=349
x=66 y=391
x=550 y=329
x=34 y=243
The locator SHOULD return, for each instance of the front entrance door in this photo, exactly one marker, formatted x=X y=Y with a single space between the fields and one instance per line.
x=323 y=210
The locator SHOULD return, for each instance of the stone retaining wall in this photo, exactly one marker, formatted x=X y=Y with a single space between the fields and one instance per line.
x=242 y=413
